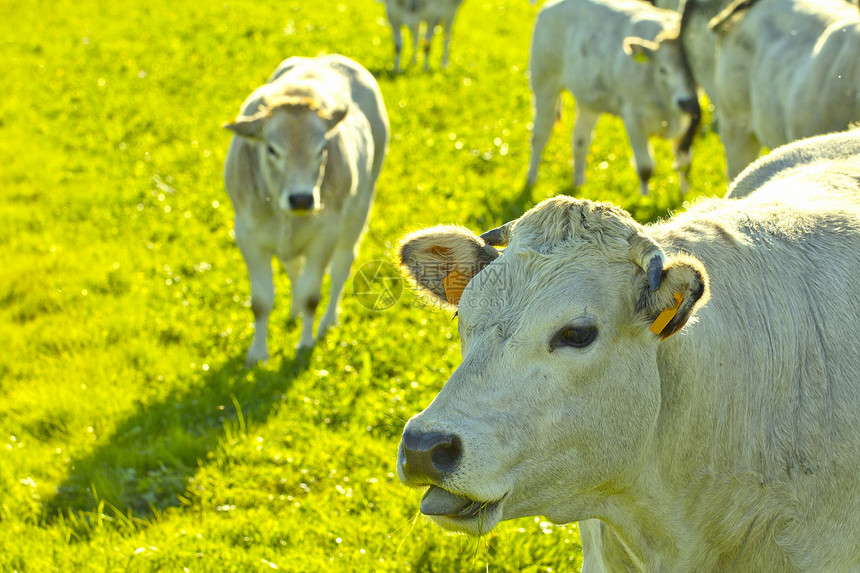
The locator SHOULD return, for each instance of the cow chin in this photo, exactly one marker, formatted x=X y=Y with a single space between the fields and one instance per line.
x=481 y=522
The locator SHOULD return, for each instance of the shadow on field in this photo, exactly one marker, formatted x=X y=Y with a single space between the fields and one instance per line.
x=146 y=463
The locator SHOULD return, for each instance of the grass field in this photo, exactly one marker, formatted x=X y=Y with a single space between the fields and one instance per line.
x=132 y=436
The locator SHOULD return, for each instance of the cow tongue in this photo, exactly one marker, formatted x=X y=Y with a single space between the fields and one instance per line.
x=437 y=501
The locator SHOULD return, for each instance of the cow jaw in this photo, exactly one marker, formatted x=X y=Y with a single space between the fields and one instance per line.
x=459 y=513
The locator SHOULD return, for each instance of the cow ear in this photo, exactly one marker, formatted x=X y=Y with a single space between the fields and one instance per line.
x=442 y=260
x=683 y=290
x=250 y=121
x=334 y=117
x=247 y=126
x=640 y=49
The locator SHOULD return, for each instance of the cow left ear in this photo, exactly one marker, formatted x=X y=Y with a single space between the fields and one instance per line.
x=442 y=260
x=640 y=49
x=334 y=117
x=682 y=290
x=247 y=126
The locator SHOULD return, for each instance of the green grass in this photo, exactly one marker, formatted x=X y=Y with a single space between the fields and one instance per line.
x=132 y=437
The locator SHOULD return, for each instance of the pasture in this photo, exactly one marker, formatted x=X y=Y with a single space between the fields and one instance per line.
x=132 y=436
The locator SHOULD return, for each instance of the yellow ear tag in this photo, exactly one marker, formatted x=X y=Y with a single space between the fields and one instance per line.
x=667 y=315
x=454 y=283
x=640 y=58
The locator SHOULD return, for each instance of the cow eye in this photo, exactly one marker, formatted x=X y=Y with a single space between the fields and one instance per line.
x=574 y=336
x=272 y=151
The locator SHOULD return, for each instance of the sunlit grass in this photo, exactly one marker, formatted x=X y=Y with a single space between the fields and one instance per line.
x=132 y=436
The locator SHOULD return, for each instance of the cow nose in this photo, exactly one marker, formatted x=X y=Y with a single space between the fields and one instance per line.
x=302 y=202
x=429 y=456
x=689 y=105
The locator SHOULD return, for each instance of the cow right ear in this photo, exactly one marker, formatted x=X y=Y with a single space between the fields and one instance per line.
x=441 y=260
x=682 y=290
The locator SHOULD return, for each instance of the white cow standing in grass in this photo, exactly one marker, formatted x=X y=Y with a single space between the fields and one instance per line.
x=597 y=383
x=301 y=172
x=621 y=57
x=411 y=13
x=785 y=70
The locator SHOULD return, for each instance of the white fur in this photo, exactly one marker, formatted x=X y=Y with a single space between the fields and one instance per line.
x=733 y=445
x=318 y=128
x=579 y=46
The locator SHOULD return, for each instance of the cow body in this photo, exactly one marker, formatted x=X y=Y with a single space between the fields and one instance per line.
x=692 y=384
x=301 y=172
x=412 y=13
x=785 y=70
x=579 y=46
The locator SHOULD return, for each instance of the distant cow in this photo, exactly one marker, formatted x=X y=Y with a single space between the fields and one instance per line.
x=597 y=383
x=411 y=13
x=620 y=57
x=301 y=173
x=786 y=69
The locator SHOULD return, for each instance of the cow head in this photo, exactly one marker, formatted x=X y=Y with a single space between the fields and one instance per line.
x=670 y=70
x=554 y=406
x=290 y=136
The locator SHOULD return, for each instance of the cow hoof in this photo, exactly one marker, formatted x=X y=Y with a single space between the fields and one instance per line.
x=252 y=360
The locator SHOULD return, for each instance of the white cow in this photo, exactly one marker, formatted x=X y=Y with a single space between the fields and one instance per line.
x=785 y=70
x=412 y=13
x=301 y=172
x=620 y=57
x=597 y=384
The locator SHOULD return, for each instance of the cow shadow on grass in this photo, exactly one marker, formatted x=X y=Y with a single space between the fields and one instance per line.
x=144 y=466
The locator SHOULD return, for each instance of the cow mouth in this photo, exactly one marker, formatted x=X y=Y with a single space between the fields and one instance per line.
x=438 y=502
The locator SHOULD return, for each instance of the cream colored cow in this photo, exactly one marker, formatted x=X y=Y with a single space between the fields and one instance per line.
x=301 y=171
x=412 y=13
x=620 y=57
x=693 y=384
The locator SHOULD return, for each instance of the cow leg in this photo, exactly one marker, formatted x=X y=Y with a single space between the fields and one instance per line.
x=416 y=35
x=446 y=53
x=742 y=147
x=259 y=265
x=428 y=37
x=307 y=294
x=583 y=134
x=643 y=154
x=341 y=265
x=681 y=164
x=293 y=268
x=398 y=44
x=545 y=105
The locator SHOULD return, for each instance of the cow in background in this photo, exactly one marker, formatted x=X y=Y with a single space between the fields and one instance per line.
x=692 y=384
x=412 y=13
x=301 y=172
x=785 y=70
x=620 y=57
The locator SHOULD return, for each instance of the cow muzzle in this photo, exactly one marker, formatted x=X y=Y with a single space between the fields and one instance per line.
x=428 y=457
x=690 y=106
x=298 y=202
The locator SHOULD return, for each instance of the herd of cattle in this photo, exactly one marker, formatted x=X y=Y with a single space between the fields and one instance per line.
x=689 y=391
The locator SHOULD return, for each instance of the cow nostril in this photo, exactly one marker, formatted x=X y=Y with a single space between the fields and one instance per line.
x=302 y=202
x=445 y=457
x=430 y=456
x=689 y=105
